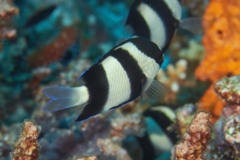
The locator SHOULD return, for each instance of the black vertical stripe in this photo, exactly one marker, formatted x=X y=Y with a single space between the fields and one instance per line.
x=163 y=121
x=136 y=21
x=147 y=147
x=148 y=48
x=98 y=88
x=134 y=72
x=165 y=14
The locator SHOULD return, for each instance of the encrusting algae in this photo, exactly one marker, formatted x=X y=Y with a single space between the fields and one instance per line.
x=221 y=41
x=27 y=147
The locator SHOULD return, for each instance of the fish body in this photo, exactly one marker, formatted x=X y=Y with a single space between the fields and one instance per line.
x=156 y=20
x=120 y=76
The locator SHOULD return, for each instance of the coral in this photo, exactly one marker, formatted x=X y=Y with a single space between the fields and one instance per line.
x=39 y=74
x=100 y=137
x=232 y=129
x=174 y=77
x=55 y=50
x=195 y=7
x=221 y=24
x=229 y=90
x=86 y=158
x=195 y=51
x=184 y=116
x=18 y=81
x=59 y=130
x=7 y=10
x=226 y=129
x=8 y=134
x=75 y=69
x=127 y=125
x=195 y=141
x=27 y=146
x=107 y=147
x=64 y=137
x=220 y=39
x=93 y=125
x=211 y=102
x=44 y=119
x=225 y=142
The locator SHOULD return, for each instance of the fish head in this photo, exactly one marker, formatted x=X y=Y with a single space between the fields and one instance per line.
x=160 y=59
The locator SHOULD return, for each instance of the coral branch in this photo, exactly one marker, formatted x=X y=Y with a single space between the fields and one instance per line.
x=174 y=78
x=27 y=148
x=195 y=141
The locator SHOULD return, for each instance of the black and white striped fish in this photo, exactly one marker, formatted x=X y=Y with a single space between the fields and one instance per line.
x=158 y=119
x=157 y=20
x=120 y=76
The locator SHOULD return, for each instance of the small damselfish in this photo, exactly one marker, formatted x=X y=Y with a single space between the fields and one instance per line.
x=120 y=76
x=156 y=20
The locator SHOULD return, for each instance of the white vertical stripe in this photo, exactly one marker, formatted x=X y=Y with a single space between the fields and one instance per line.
x=167 y=111
x=146 y=63
x=83 y=94
x=175 y=7
x=119 y=84
x=155 y=24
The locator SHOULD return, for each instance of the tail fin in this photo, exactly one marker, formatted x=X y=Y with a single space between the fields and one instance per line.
x=65 y=97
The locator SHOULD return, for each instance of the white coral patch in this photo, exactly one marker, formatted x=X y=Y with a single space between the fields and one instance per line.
x=175 y=87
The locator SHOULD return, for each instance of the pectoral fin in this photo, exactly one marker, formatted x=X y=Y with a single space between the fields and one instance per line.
x=193 y=24
x=154 y=92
